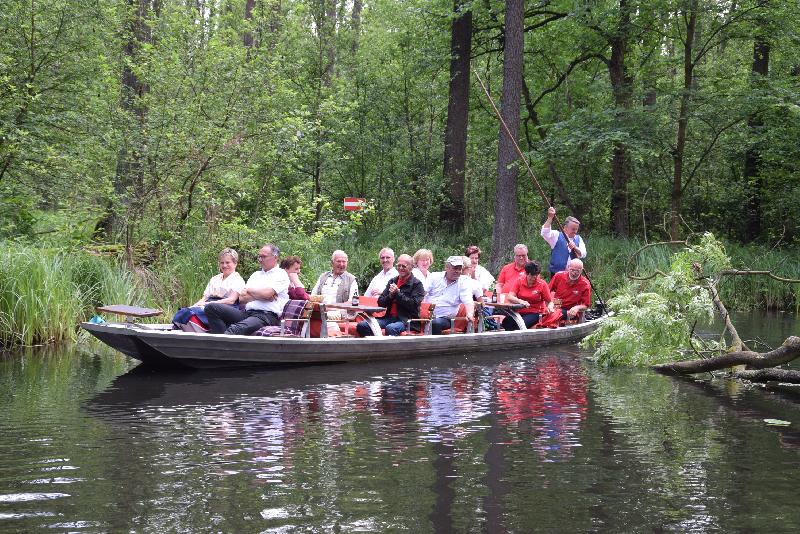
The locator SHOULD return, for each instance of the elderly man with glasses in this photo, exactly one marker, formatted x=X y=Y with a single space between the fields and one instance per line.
x=572 y=289
x=401 y=297
x=378 y=283
x=264 y=296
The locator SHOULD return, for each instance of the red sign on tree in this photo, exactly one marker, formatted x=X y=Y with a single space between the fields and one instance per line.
x=354 y=204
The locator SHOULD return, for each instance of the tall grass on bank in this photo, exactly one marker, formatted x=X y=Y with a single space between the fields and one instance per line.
x=44 y=294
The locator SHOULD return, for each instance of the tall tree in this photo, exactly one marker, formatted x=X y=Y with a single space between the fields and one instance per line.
x=504 y=232
x=455 y=137
x=622 y=87
x=752 y=158
x=129 y=174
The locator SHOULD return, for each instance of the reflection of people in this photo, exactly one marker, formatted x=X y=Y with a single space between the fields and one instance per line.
x=223 y=288
x=336 y=285
x=378 y=283
x=473 y=252
x=264 y=295
x=401 y=297
x=572 y=289
x=531 y=291
x=448 y=290
x=512 y=270
x=564 y=248
x=292 y=265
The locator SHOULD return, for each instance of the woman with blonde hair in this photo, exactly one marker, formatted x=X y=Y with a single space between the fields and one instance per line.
x=423 y=259
x=223 y=288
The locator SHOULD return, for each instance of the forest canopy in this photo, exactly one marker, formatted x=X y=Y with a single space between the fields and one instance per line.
x=159 y=119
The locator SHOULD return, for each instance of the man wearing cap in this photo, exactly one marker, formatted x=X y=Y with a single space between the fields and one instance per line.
x=401 y=297
x=448 y=290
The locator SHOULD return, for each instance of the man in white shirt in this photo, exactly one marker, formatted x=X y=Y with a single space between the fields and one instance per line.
x=379 y=282
x=336 y=285
x=448 y=290
x=264 y=296
x=565 y=245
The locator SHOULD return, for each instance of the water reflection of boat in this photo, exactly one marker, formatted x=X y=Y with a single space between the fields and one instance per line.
x=160 y=347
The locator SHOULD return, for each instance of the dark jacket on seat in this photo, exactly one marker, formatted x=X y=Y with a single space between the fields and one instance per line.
x=408 y=298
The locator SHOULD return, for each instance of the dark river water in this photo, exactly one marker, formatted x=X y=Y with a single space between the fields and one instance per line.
x=539 y=441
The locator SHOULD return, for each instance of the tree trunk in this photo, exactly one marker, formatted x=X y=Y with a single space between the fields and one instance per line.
x=788 y=351
x=355 y=17
x=328 y=41
x=247 y=38
x=752 y=158
x=504 y=233
x=622 y=87
x=455 y=137
x=129 y=175
x=683 y=122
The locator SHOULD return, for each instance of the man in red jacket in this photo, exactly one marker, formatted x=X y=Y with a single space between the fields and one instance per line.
x=573 y=289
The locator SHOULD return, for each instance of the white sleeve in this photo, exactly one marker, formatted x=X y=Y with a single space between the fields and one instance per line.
x=582 y=247
x=550 y=235
x=237 y=282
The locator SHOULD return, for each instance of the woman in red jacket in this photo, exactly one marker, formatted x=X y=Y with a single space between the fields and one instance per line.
x=531 y=291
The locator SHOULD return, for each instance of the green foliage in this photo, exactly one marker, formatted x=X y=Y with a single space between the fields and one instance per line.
x=45 y=293
x=653 y=319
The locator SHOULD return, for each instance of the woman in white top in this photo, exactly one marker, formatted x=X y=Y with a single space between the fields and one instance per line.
x=469 y=273
x=423 y=259
x=473 y=252
x=225 y=286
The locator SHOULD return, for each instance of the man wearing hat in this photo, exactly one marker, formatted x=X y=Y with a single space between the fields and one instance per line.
x=448 y=290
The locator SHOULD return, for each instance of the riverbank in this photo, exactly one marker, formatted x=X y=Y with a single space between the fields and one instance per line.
x=46 y=292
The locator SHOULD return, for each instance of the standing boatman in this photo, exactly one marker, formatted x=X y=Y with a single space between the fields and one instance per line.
x=565 y=245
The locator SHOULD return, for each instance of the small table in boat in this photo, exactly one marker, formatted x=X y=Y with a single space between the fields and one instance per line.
x=510 y=310
x=366 y=311
x=131 y=313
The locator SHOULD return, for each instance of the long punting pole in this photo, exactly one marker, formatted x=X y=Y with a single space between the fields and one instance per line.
x=533 y=176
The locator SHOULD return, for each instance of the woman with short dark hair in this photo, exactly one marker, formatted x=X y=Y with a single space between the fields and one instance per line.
x=532 y=291
x=292 y=265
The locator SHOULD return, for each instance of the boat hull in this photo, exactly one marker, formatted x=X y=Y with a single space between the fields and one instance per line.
x=169 y=348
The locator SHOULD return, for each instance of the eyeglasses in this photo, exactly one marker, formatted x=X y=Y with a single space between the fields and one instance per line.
x=403 y=266
x=265 y=256
x=386 y=257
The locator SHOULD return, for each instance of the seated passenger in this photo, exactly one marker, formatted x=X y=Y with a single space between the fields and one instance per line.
x=448 y=290
x=513 y=270
x=401 y=297
x=473 y=252
x=264 y=295
x=378 y=283
x=423 y=259
x=572 y=289
x=469 y=273
x=531 y=291
x=223 y=288
x=292 y=265
x=336 y=285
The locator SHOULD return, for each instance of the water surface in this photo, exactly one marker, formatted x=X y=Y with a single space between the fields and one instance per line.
x=518 y=442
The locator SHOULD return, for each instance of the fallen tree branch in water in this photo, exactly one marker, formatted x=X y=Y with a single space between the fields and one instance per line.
x=788 y=351
x=770 y=375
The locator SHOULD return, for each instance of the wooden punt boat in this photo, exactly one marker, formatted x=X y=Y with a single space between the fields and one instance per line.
x=159 y=345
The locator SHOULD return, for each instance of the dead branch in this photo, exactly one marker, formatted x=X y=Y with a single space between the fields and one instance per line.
x=770 y=375
x=788 y=351
x=737 y=272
